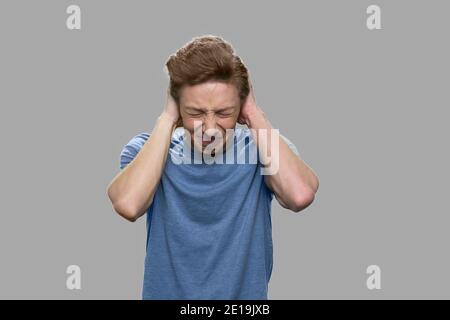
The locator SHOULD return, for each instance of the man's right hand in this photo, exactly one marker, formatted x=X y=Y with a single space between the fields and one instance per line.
x=171 y=107
x=133 y=188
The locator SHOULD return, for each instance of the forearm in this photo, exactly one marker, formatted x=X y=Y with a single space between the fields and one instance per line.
x=132 y=190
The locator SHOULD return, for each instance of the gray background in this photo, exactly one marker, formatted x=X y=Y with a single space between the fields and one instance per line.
x=367 y=110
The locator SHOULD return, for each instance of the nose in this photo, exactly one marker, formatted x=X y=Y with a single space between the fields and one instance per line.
x=210 y=124
x=210 y=129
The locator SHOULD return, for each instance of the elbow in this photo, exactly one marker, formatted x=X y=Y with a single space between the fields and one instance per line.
x=126 y=211
x=302 y=201
x=123 y=208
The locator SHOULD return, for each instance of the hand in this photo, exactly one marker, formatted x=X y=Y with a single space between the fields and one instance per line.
x=171 y=107
x=248 y=108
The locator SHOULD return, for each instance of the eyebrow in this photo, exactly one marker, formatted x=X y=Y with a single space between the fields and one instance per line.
x=202 y=109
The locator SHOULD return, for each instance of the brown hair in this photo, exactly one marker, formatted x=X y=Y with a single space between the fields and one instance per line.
x=206 y=58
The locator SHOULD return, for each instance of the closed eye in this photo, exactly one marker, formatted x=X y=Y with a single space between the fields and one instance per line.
x=225 y=113
x=194 y=114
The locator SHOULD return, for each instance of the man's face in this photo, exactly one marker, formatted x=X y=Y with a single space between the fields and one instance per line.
x=214 y=107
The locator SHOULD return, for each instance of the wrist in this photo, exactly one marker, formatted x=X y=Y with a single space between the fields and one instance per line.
x=168 y=117
x=255 y=115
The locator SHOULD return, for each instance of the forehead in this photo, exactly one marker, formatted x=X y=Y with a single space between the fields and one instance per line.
x=209 y=94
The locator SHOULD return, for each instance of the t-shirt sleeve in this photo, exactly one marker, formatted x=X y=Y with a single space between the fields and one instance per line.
x=290 y=145
x=132 y=148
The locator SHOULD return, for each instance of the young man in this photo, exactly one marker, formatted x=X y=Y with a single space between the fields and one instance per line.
x=209 y=232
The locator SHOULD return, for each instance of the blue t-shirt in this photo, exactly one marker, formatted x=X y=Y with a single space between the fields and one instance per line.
x=209 y=230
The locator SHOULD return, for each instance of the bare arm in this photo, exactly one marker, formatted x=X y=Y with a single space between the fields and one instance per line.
x=132 y=190
x=293 y=183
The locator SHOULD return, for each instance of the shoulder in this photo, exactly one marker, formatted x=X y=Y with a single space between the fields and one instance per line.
x=132 y=147
x=290 y=144
x=178 y=135
x=138 y=140
x=244 y=133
